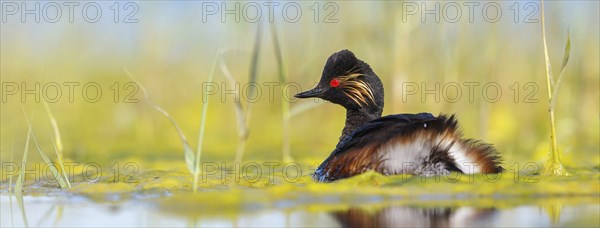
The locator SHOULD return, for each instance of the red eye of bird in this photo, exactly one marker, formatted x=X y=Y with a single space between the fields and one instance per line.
x=334 y=83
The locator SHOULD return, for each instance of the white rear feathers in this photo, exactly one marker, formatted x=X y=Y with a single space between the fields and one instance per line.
x=427 y=154
x=404 y=157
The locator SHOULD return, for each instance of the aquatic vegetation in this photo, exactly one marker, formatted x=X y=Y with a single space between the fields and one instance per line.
x=280 y=187
x=192 y=158
x=202 y=128
x=234 y=196
x=187 y=149
x=18 y=190
x=62 y=180
x=244 y=116
x=10 y=182
x=553 y=165
x=285 y=106
x=222 y=194
x=57 y=139
x=287 y=113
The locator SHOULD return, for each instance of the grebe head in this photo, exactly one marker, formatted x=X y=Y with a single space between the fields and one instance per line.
x=349 y=82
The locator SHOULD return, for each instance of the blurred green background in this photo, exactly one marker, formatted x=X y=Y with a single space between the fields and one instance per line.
x=170 y=50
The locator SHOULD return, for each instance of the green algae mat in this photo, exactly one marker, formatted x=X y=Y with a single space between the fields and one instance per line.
x=285 y=196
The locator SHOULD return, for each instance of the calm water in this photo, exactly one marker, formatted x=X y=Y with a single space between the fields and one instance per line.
x=48 y=211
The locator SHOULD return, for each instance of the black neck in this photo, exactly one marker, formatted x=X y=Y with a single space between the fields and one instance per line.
x=356 y=118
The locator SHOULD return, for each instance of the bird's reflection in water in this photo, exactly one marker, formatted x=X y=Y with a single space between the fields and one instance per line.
x=404 y=216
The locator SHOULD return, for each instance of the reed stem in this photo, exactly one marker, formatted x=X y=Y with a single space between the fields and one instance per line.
x=553 y=165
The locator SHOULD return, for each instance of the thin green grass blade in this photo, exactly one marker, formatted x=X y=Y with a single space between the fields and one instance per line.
x=57 y=136
x=562 y=71
x=187 y=149
x=549 y=78
x=12 y=150
x=253 y=78
x=21 y=180
x=278 y=54
x=10 y=203
x=239 y=111
x=189 y=157
x=567 y=53
x=57 y=142
x=203 y=127
x=253 y=75
x=57 y=175
x=60 y=162
x=11 y=190
x=48 y=162
x=285 y=106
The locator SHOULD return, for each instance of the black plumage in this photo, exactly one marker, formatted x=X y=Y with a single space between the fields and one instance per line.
x=419 y=144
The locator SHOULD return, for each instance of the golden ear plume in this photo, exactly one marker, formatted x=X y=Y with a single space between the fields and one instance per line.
x=358 y=90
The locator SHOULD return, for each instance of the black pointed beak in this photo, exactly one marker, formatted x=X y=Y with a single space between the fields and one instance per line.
x=316 y=92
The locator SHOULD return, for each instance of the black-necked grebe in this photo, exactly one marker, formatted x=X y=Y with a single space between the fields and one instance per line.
x=418 y=144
